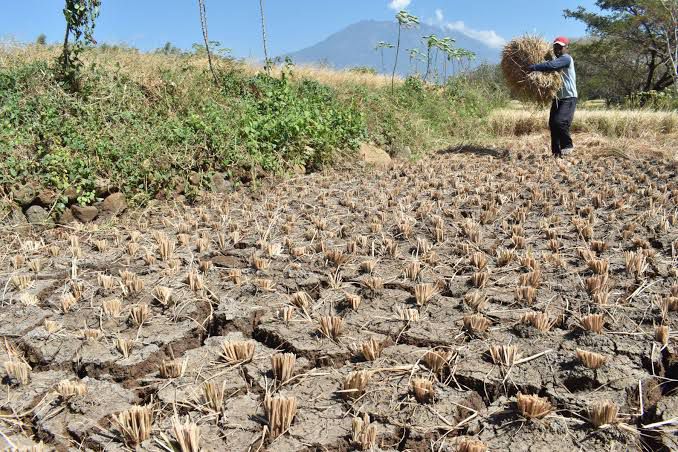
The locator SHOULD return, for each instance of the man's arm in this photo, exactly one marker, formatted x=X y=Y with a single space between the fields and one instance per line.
x=553 y=65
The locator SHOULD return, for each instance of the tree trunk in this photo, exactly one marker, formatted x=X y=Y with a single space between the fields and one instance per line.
x=203 y=24
x=267 y=62
x=395 y=65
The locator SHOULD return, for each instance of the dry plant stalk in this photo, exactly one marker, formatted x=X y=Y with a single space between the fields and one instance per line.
x=187 y=434
x=479 y=279
x=67 y=302
x=367 y=266
x=353 y=300
x=363 y=433
x=51 y=326
x=504 y=257
x=374 y=284
x=371 y=349
x=471 y=445
x=661 y=334
x=163 y=295
x=172 y=369
x=139 y=314
x=107 y=282
x=237 y=352
x=423 y=390
x=423 y=293
x=531 y=279
x=331 y=326
x=526 y=294
x=336 y=257
x=265 y=284
x=280 y=412
x=67 y=389
x=28 y=299
x=135 y=424
x=282 y=366
x=412 y=270
x=599 y=266
x=504 y=355
x=603 y=413
x=635 y=263
x=112 y=307
x=408 y=314
x=213 y=396
x=476 y=323
x=90 y=334
x=195 y=281
x=18 y=372
x=593 y=323
x=539 y=320
x=259 y=263
x=533 y=407
x=479 y=260
x=124 y=346
x=355 y=384
x=475 y=300
x=21 y=282
x=590 y=359
x=301 y=300
x=436 y=360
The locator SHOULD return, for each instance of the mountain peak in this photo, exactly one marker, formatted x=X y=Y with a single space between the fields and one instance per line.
x=354 y=46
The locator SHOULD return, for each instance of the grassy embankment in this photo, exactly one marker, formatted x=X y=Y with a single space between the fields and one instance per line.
x=149 y=123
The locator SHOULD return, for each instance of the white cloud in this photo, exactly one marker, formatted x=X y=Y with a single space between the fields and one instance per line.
x=398 y=5
x=439 y=15
x=487 y=37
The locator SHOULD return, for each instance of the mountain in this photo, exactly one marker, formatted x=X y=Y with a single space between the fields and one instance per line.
x=354 y=46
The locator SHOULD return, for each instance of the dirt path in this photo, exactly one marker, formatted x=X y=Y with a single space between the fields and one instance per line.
x=388 y=287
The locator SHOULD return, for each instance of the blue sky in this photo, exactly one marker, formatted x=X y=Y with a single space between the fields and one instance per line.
x=291 y=24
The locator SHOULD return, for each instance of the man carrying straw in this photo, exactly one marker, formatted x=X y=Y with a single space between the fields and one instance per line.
x=565 y=103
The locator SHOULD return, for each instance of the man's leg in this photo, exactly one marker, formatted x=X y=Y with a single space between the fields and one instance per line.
x=566 y=115
x=555 y=135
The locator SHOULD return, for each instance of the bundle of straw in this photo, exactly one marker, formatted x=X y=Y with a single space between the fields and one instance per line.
x=518 y=54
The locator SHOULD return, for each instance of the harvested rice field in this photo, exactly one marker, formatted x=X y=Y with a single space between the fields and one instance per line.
x=465 y=302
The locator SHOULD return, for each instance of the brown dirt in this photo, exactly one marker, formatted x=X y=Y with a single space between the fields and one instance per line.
x=423 y=212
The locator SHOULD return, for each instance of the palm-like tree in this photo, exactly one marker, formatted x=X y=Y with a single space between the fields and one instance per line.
x=405 y=20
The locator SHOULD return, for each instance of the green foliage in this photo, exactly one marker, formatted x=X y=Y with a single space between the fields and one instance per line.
x=146 y=139
x=41 y=40
x=364 y=70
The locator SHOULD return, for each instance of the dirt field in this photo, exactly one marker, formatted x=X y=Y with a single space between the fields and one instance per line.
x=426 y=296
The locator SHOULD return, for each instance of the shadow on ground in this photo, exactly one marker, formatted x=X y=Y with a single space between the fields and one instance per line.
x=476 y=150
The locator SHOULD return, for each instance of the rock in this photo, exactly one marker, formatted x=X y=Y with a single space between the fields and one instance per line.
x=12 y=217
x=114 y=204
x=86 y=213
x=66 y=216
x=372 y=155
x=195 y=178
x=24 y=194
x=48 y=197
x=219 y=183
x=226 y=261
x=72 y=194
x=38 y=215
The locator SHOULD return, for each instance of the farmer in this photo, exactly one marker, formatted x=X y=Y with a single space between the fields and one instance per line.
x=563 y=106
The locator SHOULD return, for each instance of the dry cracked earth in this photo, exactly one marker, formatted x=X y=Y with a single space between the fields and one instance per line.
x=469 y=301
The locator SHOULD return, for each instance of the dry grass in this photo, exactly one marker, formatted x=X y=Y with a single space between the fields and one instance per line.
x=135 y=424
x=363 y=433
x=606 y=123
x=590 y=359
x=187 y=435
x=520 y=53
x=471 y=445
x=533 y=407
x=422 y=389
x=280 y=412
x=282 y=365
x=603 y=413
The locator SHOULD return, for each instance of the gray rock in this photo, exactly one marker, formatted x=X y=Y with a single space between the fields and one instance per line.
x=66 y=216
x=39 y=216
x=220 y=184
x=85 y=214
x=113 y=204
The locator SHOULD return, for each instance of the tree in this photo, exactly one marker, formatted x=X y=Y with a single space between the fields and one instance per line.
x=41 y=40
x=405 y=20
x=381 y=45
x=203 y=25
x=646 y=28
x=267 y=61
x=80 y=18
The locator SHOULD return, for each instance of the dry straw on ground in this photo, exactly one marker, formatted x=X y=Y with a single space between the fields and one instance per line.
x=518 y=54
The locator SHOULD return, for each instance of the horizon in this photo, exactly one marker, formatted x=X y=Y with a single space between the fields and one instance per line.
x=125 y=23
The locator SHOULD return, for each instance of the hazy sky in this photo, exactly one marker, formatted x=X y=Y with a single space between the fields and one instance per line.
x=291 y=24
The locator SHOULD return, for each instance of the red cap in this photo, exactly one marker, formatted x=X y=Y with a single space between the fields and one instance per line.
x=562 y=40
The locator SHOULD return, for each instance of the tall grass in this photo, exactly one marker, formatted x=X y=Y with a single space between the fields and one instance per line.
x=607 y=123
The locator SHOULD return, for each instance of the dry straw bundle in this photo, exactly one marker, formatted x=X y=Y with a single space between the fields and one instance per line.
x=518 y=54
